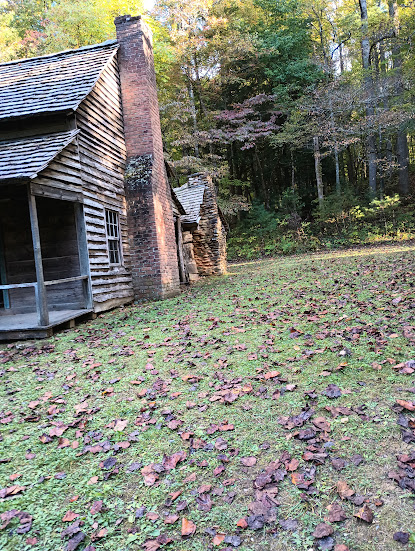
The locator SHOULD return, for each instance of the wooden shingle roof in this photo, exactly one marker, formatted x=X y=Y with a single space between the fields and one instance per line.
x=24 y=158
x=51 y=83
x=191 y=197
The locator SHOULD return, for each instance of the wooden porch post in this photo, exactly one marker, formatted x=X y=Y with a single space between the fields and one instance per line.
x=41 y=299
x=83 y=254
x=184 y=276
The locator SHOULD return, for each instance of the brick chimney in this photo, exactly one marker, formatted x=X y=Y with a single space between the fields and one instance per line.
x=149 y=210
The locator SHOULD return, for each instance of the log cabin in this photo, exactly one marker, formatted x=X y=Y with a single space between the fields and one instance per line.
x=88 y=220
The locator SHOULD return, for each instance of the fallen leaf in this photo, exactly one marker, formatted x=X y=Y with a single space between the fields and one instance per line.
x=365 y=514
x=188 y=527
x=322 y=530
x=343 y=489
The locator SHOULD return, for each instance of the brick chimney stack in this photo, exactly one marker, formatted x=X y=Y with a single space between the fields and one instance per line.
x=149 y=210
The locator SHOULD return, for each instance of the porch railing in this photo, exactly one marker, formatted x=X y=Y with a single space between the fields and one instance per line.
x=44 y=320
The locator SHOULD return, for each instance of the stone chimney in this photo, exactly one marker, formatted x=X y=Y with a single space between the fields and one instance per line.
x=149 y=210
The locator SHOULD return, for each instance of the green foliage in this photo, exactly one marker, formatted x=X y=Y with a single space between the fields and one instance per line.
x=342 y=222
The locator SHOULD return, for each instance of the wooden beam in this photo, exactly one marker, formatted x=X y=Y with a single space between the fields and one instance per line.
x=184 y=276
x=83 y=254
x=3 y=274
x=41 y=298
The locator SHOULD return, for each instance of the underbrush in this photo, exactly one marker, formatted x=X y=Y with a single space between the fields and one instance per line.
x=340 y=224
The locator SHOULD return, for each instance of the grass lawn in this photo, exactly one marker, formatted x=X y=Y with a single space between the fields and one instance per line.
x=243 y=413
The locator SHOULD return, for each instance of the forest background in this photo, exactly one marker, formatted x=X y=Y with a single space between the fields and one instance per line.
x=301 y=110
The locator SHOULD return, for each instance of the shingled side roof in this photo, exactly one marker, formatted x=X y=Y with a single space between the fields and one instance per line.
x=191 y=197
x=51 y=83
x=24 y=158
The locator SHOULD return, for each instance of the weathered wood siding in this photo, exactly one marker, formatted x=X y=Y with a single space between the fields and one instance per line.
x=102 y=156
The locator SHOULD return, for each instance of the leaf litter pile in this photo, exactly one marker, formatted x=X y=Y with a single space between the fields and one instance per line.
x=273 y=408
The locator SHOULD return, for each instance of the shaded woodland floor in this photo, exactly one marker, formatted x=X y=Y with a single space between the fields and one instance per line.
x=270 y=409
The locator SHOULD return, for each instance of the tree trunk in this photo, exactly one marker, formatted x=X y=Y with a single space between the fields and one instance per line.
x=192 y=108
x=319 y=174
x=368 y=82
x=402 y=150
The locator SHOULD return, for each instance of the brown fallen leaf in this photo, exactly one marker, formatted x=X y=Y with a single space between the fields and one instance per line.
x=242 y=523
x=188 y=527
x=171 y=519
x=248 y=461
x=11 y=491
x=343 y=489
x=365 y=513
x=410 y=406
x=92 y=480
x=271 y=374
x=293 y=465
x=336 y=513
x=69 y=516
x=218 y=539
x=322 y=530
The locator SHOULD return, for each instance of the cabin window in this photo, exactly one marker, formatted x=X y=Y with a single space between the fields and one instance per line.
x=113 y=236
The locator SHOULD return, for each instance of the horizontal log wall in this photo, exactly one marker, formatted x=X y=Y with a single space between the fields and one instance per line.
x=102 y=156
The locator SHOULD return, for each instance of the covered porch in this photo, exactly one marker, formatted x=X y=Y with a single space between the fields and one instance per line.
x=44 y=267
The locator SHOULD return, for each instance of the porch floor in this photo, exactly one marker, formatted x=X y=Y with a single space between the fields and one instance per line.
x=26 y=326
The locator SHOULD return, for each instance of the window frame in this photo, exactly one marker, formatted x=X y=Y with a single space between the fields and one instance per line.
x=113 y=223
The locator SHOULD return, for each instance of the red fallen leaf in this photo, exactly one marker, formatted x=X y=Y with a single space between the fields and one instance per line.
x=218 y=539
x=14 y=476
x=252 y=357
x=33 y=404
x=406 y=404
x=204 y=489
x=343 y=489
x=248 y=461
x=152 y=516
x=96 y=507
x=64 y=443
x=341 y=547
x=175 y=495
x=171 y=519
x=365 y=513
x=136 y=382
x=271 y=374
x=124 y=445
x=291 y=387
x=69 y=516
x=186 y=435
x=31 y=541
x=293 y=465
x=242 y=523
x=188 y=527
x=323 y=530
x=74 y=498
